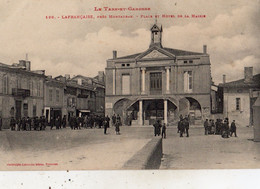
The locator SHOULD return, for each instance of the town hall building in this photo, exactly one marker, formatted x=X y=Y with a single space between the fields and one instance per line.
x=159 y=83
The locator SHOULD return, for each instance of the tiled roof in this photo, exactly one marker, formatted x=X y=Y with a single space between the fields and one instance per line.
x=240 y=83
x=129 y=56
x=176 y=52
x=75 y=85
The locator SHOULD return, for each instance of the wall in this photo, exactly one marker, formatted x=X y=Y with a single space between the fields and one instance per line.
x=149 y=157
x=242 y=117
x=23 y=80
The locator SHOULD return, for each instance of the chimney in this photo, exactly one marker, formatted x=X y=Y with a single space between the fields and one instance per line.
x=67 y=76
x=248 y=72
x=114 y=54
x=101 y=76
x=79 y=81
x=224 y=79
x=28 y=65
x=204 y=49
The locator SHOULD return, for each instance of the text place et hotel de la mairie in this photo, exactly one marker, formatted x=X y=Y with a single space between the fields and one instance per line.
x=159 y=83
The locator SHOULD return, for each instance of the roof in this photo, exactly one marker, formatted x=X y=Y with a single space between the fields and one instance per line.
x=240 y=83
x=176 y=52
x=21 y=69
x=129 y=56
x=75 y=85
x=94 y=80
x=257 y=102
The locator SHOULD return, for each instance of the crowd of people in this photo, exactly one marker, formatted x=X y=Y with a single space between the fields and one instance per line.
x=220 y=127
x=211 y=127
x=183 y=126
x=91 y=121
x=159 y=129
x=28 y=124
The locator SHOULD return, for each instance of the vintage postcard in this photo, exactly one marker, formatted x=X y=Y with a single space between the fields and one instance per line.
x=129 y=85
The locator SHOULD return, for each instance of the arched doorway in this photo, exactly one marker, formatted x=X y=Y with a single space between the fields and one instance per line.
x=120 y=108
x=191 y=107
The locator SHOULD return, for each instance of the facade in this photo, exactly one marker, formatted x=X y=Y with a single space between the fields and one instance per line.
x=96 y=85
x=21 y=91
x=239 y=97
x=80 y=97
x=53 y=98
x=159 y=83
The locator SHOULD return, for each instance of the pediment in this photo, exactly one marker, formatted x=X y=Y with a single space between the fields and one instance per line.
x=155 y=54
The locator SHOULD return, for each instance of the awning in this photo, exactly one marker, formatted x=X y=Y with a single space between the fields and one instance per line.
x=84 y=111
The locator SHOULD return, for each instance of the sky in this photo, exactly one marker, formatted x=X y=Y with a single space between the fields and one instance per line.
x=81 y=46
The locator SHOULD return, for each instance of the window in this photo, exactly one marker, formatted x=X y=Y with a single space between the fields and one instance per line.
x=34 y=110
x=188 y=81
x=156 y=82
x=57 y=95
x=185 y=61
x=123 y=65
x=125 y=84
x=31 y=88
x=38 y=89
x=238 y=103
x=127 y=64
x=190 y=61
x=5 y=84
x=18 y=83
x=50 y=94
x=28 y=84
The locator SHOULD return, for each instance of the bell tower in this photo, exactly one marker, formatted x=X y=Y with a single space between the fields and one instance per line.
x=156 y=36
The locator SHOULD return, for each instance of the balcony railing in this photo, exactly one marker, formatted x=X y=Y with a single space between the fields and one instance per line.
x=20 y=92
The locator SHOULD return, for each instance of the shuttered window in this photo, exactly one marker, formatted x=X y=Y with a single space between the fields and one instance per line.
x=125 y=84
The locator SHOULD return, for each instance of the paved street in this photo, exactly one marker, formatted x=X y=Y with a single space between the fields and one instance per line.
x=70 y=149
x=90 y=149
x=211 y=151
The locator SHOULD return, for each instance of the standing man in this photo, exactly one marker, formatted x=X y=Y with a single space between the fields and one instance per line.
x=233 y=129
x=206 y=126
x=64 y=121
x=114 y=120
x=117 y=124
x=164 y=131
x=108 y=121
x=186 y=126
x=105 y=126
x=156 y=126
x=56 y=123
x=181 y=126
x=52 y=122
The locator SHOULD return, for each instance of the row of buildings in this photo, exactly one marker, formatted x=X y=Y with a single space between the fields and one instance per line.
x=24 y=92
x=165 y=83
x=159 y=83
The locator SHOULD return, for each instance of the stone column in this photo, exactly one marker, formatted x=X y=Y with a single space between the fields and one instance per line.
x=165 y=112
x=114 y=81
x=140 y=112
x=143 y=80
x=167 y=80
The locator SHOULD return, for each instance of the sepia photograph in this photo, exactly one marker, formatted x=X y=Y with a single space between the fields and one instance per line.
x=108 y=85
